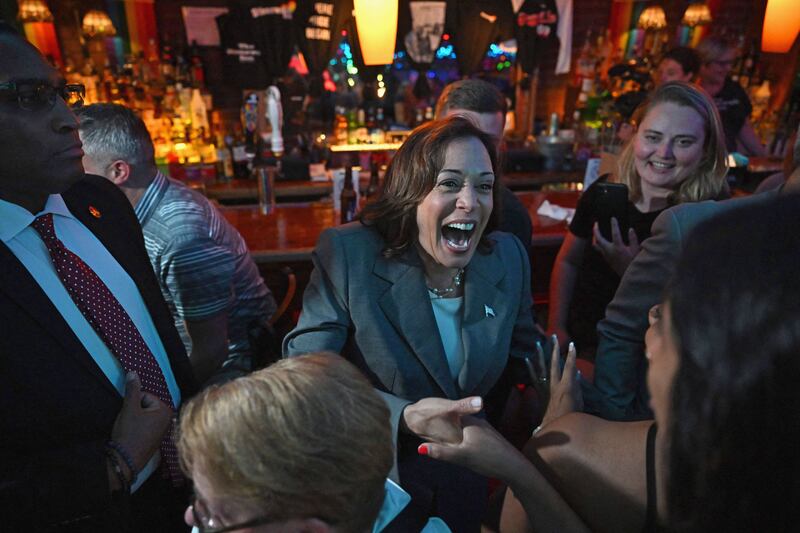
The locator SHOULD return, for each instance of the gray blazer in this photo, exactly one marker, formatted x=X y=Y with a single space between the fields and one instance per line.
x=620 y=391
x=377 y=313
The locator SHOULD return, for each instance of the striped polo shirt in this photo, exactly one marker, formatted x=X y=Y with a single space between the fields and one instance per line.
x=202 y=263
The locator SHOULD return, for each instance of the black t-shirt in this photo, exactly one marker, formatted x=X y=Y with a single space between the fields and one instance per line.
x=536 y=23
x=596 y=282
x=734 y=107
x=476 y=24
x=242 y=59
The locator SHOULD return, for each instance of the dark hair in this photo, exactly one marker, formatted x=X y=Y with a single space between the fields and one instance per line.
x=735 y=419
x=411 y=176
x=112 y=132
x=472 y=95
x=686 y=57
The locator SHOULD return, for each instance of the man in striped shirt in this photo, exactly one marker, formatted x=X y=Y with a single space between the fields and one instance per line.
x=207 y=276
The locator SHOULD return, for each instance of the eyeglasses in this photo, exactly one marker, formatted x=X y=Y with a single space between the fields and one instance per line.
x=39 y=95
x=208 y=524
x=724 y=64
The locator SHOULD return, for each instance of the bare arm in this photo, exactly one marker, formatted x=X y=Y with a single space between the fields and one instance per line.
x=487 y=452
x=209 y=344
x=562 y=284
x=598 y=467
x=750 y=141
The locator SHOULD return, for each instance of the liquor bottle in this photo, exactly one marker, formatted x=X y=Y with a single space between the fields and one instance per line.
x=362 y=132
x=374 y=180
x=349 y=204
x=199 y=111
x=241 y=158
x=197 y=73
x=340 y=126
x=352 y=127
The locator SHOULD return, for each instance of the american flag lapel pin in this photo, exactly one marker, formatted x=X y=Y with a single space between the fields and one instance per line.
x=488 y=310
x=95 y=212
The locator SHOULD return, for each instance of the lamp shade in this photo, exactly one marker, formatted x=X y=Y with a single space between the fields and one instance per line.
x=376 y=21
x=34 y=11
x=97 y=23
x=653 y=18
x=696 y=14
x=781 y=24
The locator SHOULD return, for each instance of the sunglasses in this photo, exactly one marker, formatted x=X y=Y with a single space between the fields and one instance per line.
x=40 y=95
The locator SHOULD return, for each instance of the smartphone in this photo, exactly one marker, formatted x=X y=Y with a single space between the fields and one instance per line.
x=612 y=201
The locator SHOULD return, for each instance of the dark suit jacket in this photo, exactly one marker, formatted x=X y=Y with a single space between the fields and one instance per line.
x=57 y=406
x=377 y=313
x=620 y=388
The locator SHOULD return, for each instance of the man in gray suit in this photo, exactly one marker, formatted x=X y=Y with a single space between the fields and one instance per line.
x=620 y=388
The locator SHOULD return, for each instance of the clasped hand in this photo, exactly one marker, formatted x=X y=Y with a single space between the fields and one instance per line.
x=141 y=423
x=438 y=419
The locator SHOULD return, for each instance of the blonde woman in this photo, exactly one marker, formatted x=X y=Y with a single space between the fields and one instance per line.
x=677 y=155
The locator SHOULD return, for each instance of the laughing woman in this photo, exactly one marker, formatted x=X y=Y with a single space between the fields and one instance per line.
x=426 y=302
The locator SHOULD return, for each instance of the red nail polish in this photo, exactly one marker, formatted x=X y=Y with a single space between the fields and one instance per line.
x=422 y=449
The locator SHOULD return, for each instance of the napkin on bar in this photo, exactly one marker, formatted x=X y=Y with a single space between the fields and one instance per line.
x=556 y=212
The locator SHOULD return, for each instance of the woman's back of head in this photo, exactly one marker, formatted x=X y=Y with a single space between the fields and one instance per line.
x=307 y=437
x=735 y=430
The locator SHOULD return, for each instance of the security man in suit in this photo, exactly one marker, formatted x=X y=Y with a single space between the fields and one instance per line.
x=92 y=371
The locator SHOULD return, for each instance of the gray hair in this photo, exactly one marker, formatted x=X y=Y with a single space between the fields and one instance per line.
x=713 y=47
x=112 y=132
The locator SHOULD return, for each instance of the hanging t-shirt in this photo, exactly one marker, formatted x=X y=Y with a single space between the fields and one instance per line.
x=241 y=60
x=420 y=27
x=474 y=26
x=734 y=107
x=535 y=24
x=273 y=24
x=318 y=31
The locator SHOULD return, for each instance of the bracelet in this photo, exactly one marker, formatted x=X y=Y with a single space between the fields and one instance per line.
x=117 y=447
x=126 y=488
x=537 y=430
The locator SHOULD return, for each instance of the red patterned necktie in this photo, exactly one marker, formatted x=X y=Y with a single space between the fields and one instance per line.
x=111 y=322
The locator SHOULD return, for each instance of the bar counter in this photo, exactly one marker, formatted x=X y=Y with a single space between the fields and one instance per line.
x=241 y=191
x=290 y=233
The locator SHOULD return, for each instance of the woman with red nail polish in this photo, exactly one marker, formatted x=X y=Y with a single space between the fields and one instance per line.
x=723 y=372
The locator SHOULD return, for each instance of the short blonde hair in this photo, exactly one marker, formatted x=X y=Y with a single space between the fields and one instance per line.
x=307 y=437
x=708 y=181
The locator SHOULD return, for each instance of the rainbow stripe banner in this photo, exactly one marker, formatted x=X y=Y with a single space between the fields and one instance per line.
x=625 y=36
x=141 y=16
x=42 y=35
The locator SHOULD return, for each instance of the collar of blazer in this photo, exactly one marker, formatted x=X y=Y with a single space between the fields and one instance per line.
x=406 y=304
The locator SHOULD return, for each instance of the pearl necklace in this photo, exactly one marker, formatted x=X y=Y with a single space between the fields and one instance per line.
x=457 y=279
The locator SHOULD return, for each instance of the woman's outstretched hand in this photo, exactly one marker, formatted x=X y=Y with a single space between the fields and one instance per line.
x=565 y=390
x=439 y=419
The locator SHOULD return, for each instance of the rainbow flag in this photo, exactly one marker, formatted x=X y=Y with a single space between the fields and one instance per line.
x=141 y=17
x=42 y=35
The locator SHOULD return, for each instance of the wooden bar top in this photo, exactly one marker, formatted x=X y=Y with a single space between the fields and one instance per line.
x=291 y=231
x=239 y=190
